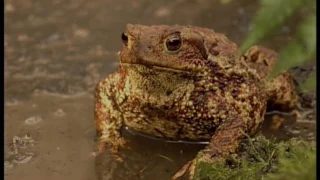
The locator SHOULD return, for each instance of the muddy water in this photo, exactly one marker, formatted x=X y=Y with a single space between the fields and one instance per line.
x=56 y=51
x=64 y=138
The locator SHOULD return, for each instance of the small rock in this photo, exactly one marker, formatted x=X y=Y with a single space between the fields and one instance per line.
x=296 y=127
x=53 y=38
x=82 y=33
x=162 y=12
x=311 y=138
x=23 y=158
x=33 y=120
x=8 y=165
x=12 y=102
x=310 y=134
x=22 y=59
x=276 y=122
x=241 y=11
x=59 y=112
x=23 y=38
x=19 y=142
x=9 y=8
x=22 y=142
x=295 y=132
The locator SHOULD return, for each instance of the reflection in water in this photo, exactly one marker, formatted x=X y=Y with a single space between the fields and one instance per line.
x=150 y=158
x=145 y=159
x=136 y=133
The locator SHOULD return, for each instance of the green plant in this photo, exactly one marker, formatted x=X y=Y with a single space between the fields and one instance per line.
x=298 y=164
x=271 y=15
x=260 y=158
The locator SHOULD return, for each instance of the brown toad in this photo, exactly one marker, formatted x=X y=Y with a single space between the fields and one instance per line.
x=188 y=83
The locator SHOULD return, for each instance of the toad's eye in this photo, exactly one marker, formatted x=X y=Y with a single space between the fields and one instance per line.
x=173 y=43
x=124 y=39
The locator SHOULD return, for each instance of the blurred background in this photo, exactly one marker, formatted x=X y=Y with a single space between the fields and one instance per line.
x=55 y=53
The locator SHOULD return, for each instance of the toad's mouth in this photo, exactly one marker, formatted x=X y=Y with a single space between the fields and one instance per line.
x=130 y=58
x=157 y=67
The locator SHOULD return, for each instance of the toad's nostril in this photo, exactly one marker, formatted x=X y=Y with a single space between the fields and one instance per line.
x=124 y=39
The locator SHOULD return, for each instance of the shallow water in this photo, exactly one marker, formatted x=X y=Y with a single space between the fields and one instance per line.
x=55 y=53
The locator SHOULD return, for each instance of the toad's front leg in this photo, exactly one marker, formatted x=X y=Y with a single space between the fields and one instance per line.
x=224 y=142
x=280 y=90
x=108 y=117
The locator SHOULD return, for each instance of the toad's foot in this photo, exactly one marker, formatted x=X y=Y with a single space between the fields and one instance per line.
x=112 y=145
x=223 y=143
x=190 y=167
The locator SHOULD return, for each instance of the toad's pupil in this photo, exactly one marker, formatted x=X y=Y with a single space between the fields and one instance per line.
x=124 y=38
x=173 y=44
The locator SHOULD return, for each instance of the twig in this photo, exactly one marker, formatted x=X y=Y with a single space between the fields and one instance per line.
x=252 y=145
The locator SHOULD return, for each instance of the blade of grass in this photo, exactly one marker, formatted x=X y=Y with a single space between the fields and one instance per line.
x=270 y=16
x=311 y=82
x=300 y=49
x=165 y=157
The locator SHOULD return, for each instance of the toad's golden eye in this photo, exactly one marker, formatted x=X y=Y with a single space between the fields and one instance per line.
x=173 y=43
x=124 y=39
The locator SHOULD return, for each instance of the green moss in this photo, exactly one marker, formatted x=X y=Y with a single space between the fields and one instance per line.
x=261 y=158
x=297 y=163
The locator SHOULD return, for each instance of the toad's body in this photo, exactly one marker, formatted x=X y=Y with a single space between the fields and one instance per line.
x=188 y=83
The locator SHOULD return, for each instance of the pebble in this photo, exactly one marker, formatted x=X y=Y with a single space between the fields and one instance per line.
x=82 y=33
x=241 y=11
x=162 y=12
x=59 y=112
x=7 y=165
x=33 y=120
x=294 y=132
x=9 y=8
x=16 y=157
x=23 y=38
x=310 y=134
x=277 y=122
x=53 y=38
x=12 y=102
x=23 y=158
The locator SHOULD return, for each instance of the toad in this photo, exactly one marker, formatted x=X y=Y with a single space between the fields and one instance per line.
x=188 y=83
